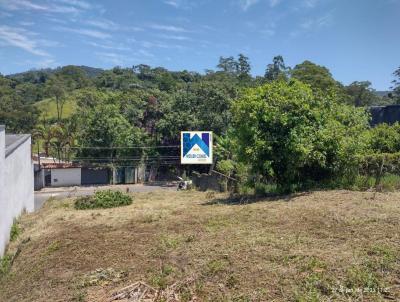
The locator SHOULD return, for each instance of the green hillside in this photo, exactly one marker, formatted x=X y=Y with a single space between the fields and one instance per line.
x=48 y=108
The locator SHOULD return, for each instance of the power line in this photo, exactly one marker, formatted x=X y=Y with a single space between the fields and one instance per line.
x=134 y=147
x=124 y=159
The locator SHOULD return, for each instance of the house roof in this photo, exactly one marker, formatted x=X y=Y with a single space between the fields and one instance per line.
x=13 y=141
x=60 y=166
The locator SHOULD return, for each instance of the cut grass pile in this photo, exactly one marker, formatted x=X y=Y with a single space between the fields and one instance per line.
x=103 y=200
x=319 y=246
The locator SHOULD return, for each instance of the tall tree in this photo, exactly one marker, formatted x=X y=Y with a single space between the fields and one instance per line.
x=17 y=115
x=244 y=68
x=105 y=126
x=396 y=86
x=228 y=65
x=57 y=89
x=277 y=70
x=361 y=94
x=318 y=77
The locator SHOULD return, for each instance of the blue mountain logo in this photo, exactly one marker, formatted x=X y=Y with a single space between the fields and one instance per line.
x=203 y=143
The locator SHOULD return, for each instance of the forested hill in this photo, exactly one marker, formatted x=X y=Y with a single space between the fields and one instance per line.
x=34 y=75
x=155 y=100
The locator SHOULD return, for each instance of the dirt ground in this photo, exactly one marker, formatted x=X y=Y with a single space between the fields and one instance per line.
x=318 y=246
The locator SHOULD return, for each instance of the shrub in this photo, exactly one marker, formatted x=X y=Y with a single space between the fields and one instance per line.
x=295 y=137
x=103 y=199
x=385 y=138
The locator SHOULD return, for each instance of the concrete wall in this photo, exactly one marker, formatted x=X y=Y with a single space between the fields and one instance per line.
x=3 y=214
x=65 y=177
x=17 y=190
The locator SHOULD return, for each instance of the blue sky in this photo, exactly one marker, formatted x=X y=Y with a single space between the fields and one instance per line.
x=355 y=39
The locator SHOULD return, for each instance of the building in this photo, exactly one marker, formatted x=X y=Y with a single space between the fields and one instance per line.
x=16 y=181
x=72 y=174
x=385 y=114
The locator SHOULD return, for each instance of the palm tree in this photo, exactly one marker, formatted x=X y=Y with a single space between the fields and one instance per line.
x=45 y=133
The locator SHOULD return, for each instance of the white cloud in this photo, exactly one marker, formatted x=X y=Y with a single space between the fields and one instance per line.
x=181 y=4
x=310 y=3
x=314 y=24
x=30 y=6
x=44 y=63
x=246 y=4
x=109 y=46
x=26 y=23
x=111 y=57
x=268 y=32
x=5 y=14
x=274 y=3
x=170 y=28
x=145 y=53
x=103 y=24
x=173 y=3
x=119 y=59
x=85 y=32
x=148 y=44
x=175 y=37
x=21 y=38
x=78 y=3
x=323 y=21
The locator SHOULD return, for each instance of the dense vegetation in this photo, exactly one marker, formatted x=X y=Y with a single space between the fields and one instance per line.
x=103 y=200
x=293 y=127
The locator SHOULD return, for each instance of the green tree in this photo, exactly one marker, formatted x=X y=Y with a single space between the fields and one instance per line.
x=104 y=126
x=294 y=137
x=228 y=65
x=44 y=132
x=318 y=77
x=56 y=88
x=65 y=80
x=385 y=138
x=277 y=70
x=396 y=86
x=244 y=68
x=18 y=116
x=361 y=94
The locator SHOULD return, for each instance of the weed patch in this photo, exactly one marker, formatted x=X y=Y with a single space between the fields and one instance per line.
x=5 y=265
x=103 y=199
x=15 y=231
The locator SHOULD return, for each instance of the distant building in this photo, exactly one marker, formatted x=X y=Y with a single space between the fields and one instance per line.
x=385 y=114
x=16 y=181
x=72 y=174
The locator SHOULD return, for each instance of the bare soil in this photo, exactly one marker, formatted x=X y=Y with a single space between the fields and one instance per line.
x=317 y=246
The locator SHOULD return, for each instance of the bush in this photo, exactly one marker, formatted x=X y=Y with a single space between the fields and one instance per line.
x=298 y=138
x=103 y=199
x=385 y=138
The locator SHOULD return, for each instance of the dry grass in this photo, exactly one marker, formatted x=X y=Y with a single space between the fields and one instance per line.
x=305 y=247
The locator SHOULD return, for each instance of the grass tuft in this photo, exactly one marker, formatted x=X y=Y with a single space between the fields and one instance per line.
x=15 y=231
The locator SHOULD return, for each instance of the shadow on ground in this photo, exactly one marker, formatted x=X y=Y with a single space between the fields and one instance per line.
x=162 y=184
x=248 y=199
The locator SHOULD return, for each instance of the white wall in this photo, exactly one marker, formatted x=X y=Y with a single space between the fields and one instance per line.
x=3 y=214
x=17 y=190
x=66 y=177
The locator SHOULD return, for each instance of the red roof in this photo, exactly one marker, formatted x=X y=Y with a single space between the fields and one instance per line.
x=60 y=166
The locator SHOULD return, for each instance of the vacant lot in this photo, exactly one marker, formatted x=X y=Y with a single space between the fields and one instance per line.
x=320 y=246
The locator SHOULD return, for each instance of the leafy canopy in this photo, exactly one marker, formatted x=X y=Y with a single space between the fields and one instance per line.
x=294 y=136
